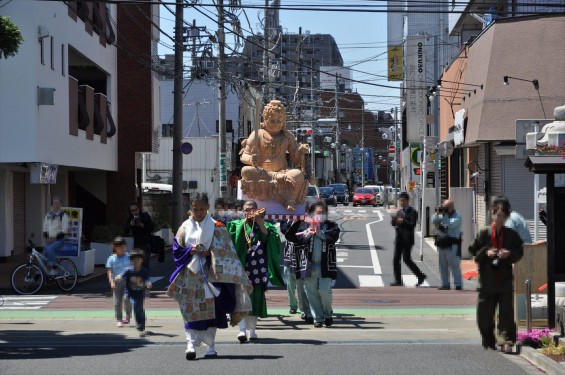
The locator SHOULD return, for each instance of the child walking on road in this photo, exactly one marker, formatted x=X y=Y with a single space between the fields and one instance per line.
x=116 y=265
x=136 y=281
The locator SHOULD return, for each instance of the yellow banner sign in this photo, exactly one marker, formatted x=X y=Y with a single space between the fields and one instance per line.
x=395 y=63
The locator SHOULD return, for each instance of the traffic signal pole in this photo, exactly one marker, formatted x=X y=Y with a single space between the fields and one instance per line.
x=423 y=206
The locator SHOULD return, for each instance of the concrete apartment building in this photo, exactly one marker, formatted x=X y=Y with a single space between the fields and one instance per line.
x=64 y=111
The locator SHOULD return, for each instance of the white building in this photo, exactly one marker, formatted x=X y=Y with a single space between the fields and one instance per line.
x=200 y=119
x=55 y=97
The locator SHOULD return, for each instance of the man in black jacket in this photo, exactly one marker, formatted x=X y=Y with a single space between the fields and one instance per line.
x=405 y=220
x=141 y=226
x=318 y=261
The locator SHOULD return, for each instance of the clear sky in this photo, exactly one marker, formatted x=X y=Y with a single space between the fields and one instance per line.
x=360 y=36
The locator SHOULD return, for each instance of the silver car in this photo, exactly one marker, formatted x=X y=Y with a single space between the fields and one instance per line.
x=313 y=195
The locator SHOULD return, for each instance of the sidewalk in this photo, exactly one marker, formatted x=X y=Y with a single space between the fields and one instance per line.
x=6 y=269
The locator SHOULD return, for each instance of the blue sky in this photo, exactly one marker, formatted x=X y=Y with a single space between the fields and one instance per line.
x=361 y=38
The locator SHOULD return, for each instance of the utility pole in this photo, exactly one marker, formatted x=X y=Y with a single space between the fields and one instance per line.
x=266 y=62
x=336 y=172
x=177 y=208
x=363 y=144
x=397 y=145
x=222 y=100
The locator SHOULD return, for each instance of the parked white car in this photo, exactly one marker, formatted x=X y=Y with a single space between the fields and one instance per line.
x=380 y=192
x=313 y=195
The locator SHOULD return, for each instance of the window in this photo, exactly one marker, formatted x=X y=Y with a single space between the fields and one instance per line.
x=52 y=52
x=42 y=50
x=167 y=130
x=63 y=59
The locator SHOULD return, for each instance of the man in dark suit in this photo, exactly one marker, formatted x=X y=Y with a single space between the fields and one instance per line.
x=404 y=220
x=141 y=226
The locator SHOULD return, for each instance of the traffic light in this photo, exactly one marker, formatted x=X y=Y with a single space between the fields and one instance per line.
x=417 y=171
x=304 y=131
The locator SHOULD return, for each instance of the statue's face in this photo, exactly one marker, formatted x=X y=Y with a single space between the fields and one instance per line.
x=274 y=123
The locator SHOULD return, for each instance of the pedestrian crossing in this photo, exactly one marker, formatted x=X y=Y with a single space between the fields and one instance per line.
x=26 y=302
x=376 y=281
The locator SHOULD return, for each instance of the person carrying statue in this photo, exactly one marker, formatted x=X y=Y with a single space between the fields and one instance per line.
x=266 y=175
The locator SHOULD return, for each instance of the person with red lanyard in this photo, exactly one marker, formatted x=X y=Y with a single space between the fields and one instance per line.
x=496 y=248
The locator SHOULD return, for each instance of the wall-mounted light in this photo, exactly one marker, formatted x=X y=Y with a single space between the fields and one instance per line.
x=439 y=81
x=42 y=33
x=535 y=82
x=478 y=170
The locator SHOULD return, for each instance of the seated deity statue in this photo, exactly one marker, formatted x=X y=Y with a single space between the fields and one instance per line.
x=267 y=176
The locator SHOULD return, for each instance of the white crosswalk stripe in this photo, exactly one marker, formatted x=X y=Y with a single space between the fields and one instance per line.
x=26 y=302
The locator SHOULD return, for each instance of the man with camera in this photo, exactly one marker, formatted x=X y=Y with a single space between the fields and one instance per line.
x=448 y=243
x=141 y=226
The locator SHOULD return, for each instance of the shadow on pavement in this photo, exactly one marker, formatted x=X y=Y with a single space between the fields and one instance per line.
x=53 y=344
x=340 y=321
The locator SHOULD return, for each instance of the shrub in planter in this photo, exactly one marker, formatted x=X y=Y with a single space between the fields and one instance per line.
x=101 y=234
x=537 y=338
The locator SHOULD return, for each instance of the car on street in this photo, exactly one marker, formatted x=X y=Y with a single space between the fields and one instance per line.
x=380 y=193
x=341 y=193
x=328 y=196
x=313 y=195
x=364 y=196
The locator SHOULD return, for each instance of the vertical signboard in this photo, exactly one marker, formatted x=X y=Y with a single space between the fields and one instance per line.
x=223 y=173
x=395 y=63
x=72 y=240
x=416 y=88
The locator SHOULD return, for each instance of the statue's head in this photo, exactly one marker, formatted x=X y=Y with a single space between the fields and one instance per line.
x=274 y=117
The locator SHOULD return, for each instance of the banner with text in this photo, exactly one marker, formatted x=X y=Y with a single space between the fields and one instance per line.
x=416 y=104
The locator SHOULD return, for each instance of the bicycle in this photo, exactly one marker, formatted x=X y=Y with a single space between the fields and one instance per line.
x=29 y=277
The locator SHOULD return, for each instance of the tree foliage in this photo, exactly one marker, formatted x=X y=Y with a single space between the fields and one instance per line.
x=10 y=37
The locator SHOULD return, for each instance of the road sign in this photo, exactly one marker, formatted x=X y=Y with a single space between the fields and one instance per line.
x=186 y=148
x=391 y=149
x=415 y=155
x=445 y=149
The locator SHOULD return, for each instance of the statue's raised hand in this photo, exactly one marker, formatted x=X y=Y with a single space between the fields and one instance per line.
x=303 y=149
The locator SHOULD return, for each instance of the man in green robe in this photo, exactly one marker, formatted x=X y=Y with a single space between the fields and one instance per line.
x=258 y=246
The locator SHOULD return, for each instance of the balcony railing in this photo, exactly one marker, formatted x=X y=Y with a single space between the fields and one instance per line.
x=89 y=112
x=96 y=18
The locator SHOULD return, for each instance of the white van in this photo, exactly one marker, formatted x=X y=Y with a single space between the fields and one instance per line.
x=149 y=187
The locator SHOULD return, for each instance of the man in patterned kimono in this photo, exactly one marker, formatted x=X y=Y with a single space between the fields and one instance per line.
x=258 y=246
x=209 y=281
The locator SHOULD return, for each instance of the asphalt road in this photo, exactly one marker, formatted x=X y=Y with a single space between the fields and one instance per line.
x=377 y=330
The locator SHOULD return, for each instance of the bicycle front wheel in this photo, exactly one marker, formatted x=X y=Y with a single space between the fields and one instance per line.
x=67 y=276
x=27 y=279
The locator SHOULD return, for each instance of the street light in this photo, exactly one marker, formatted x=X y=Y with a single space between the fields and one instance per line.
x=477 y=172
x=439 y=81
x=535 y=82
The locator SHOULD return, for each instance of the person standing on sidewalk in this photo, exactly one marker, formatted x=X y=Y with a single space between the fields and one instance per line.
x=448 y=243
x=116 y=265
x=55 y=228
x=496 y=248
x=141 y=226
x=404 y=220
x=209 y=280
x=291 y=259
x=258 y=246
x=318 y=267
x=515 y=220
x=136 y=279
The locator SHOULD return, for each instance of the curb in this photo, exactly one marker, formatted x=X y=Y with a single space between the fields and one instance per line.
x=546 y=364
